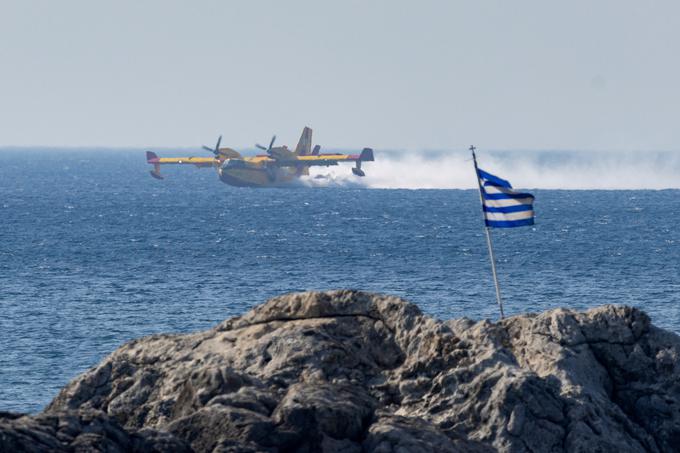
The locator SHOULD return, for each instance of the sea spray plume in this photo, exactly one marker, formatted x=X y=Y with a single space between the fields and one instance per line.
x=421 y=170
x=593 y=170
x=400 y=170
x=321 y=177
x=537 y=169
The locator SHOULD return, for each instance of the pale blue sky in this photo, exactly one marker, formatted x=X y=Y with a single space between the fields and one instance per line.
x=388 y=74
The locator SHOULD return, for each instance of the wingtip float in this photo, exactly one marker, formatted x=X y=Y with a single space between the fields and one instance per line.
x=278 y=167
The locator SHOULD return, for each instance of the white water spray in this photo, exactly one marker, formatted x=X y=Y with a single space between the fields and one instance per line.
x=531 y=169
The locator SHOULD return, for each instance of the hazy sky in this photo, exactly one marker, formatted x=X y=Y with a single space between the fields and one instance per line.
x=388 y=74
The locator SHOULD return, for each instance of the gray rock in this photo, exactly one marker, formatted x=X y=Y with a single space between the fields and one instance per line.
x=341 y=411
x=394 y=434
x=81 y=431
x=348 y=371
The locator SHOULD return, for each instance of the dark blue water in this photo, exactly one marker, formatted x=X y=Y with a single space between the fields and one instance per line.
x=94 y=252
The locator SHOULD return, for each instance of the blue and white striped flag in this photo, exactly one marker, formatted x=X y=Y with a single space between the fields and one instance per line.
x=504 y=207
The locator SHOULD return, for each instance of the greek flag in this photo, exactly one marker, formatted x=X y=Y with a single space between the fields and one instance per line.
x=503 y=206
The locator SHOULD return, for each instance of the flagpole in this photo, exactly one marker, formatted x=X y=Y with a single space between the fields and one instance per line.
x=488 y=236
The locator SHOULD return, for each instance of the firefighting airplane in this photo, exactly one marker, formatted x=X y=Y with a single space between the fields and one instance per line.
x=278 y=167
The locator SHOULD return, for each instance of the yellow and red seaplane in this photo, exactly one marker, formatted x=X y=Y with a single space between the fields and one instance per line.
x=278 y=167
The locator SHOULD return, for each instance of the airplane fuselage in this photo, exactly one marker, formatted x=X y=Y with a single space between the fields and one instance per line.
x=241 y=173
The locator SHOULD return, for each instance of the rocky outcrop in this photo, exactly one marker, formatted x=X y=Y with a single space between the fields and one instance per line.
x=348 y=371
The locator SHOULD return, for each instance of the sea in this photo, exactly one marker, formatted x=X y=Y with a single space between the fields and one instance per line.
x=94 y=252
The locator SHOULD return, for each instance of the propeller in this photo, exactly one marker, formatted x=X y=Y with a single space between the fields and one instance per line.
x=270 y=145
x=215 y=151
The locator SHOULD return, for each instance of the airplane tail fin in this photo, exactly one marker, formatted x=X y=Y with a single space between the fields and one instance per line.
x=152 y=158
x=304 y=146
x=365 y=156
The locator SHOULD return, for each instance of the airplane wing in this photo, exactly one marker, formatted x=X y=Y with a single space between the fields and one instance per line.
x=327 y=160
x=156 y=161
